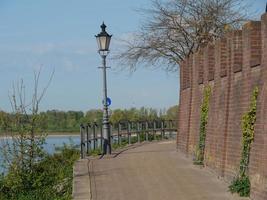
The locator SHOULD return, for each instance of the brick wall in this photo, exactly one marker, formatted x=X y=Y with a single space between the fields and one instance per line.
x=197 y=90
x=232 y=66
x=184 y=107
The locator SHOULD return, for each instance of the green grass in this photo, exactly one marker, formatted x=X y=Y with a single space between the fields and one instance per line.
x=95 y=152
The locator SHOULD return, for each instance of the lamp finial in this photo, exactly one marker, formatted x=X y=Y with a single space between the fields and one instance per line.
x=103 y=27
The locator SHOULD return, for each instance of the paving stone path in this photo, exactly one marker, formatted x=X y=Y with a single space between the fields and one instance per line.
x=148 y=171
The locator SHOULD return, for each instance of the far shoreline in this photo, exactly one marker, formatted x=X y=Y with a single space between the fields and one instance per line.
x=51 y=134
x=62 y=133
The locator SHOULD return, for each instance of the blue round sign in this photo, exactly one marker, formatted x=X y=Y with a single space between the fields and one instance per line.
x=108 y=101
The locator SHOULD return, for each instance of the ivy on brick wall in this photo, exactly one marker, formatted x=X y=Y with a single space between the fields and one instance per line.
x=241 y=184
x=200 y=150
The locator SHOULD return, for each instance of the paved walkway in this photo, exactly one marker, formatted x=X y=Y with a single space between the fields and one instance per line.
x=148 y=171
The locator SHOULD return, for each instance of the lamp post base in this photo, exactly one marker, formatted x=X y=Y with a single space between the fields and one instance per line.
x=106 y=147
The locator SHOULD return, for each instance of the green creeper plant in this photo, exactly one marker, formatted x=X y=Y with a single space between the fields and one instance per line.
x=199 y=155
x=241 y=183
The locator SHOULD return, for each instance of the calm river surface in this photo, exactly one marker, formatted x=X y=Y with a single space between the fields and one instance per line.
x=58 y=141
x=54 y=141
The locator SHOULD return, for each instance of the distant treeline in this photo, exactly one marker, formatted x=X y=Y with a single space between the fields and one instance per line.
x=69 y=121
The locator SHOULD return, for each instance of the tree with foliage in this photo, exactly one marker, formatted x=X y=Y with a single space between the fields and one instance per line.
x=174 y=29
x=172 y=113
x=62 y=121
x=56 y=121
x=94 y=115
x=117 y=116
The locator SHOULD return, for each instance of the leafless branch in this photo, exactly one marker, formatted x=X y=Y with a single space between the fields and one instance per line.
x=25 y=145
x=175 y=29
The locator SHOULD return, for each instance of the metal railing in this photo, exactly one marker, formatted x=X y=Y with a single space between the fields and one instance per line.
x=125 y=132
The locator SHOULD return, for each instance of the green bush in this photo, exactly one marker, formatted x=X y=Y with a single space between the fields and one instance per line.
x=241 y=185
x=49 y=178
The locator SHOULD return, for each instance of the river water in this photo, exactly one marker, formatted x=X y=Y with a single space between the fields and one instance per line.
x=58 y=141
x=52 y=142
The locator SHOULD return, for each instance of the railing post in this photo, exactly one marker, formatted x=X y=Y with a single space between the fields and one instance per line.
x=87 y=139
x=162 y=129
x=119 y=133
x=154 y=129
x=111 y=134
x=94 y=135
x=101 y=137
x=146 y=124
x=170 y=127
x=132 y=130
x=82 y=141
x=128 y=132
x=138 y=131
x=90 y=136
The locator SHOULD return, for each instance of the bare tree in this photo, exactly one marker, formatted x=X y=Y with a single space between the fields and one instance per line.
x=175 y=28
x=23 y=126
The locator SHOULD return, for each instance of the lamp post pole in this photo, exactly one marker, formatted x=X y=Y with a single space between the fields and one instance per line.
x=103 y=40
x=106 y=125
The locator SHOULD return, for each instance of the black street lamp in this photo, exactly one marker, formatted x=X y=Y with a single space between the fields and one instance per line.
x=103 y=41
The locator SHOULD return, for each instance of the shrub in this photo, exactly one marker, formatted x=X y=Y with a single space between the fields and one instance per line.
x=50 y=178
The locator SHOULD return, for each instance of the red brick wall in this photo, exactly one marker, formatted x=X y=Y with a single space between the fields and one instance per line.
x=197 y=90
x=234 y=133
x=217 y=120
x=183 y=121
x=232 y=66
x=258 y=160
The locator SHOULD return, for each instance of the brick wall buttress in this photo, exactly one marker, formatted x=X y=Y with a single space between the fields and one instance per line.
x=184 y=107
x=233 y=66
x=258 y=156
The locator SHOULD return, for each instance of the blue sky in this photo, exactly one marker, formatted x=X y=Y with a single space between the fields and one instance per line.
x=59 y=34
